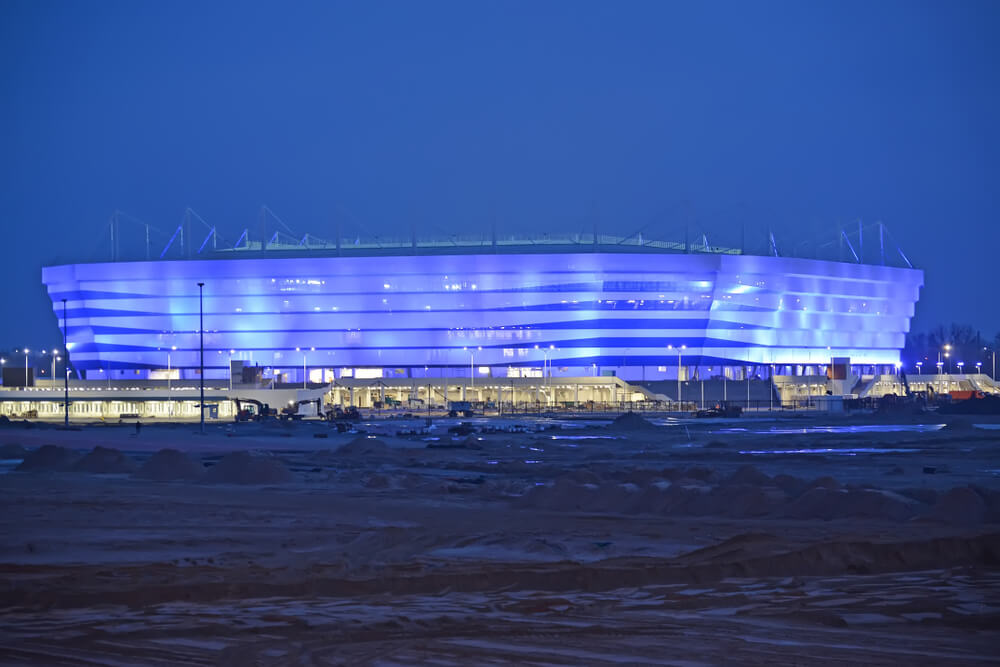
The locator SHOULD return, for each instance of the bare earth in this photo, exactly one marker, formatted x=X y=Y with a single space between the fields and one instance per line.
x=686 y=543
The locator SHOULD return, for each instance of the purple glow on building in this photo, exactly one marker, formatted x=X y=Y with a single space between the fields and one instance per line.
x=429 y=315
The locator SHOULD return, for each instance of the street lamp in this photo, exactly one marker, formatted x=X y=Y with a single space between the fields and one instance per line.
x=65 y=370
x=682 y=347
x=231 y=352
x=169 y=372
x=54 y=359
x=947 y=354
x=960 y=365
x=979 y=367
x=919 y=365
x=201 y=338
x=303 y=367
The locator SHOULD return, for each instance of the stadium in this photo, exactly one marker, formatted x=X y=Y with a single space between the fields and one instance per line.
x=582 y=306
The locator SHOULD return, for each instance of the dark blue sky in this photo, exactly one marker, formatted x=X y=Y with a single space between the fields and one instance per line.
x=796 y=115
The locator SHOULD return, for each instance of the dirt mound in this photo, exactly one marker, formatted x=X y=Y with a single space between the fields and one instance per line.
x=168 y=465
x=364 y=446
x=793 y=486
x=827 y=504
x=630 y=421
x=12 y=452
x=748 y=475
x=104 y=460
x=245 y=468
x=959 y=506
x=49 y=458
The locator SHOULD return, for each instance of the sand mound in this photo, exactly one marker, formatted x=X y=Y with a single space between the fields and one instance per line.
x=748 y=475
x=104 y=460
x=827 y=504
x=169 y=464
x=364 y=446
x=12 y=452
x=632 y=422
x=793 y=486
x=959 y=506
x=245 y=468
x=49 y=458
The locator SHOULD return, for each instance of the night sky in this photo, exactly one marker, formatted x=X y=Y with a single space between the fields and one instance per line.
x=541 y=116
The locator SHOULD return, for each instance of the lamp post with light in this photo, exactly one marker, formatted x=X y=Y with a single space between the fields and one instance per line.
x=303 y=367
x=65 y=370
x=26 y=350
x=947 y=354
x=682 y=347
x=201 y=338
x=919 y=365
x=960 y=365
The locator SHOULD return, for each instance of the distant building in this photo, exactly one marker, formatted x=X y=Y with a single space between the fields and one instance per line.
x=639 y=311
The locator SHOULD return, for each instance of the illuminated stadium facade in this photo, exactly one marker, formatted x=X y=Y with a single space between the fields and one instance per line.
x=642 y=312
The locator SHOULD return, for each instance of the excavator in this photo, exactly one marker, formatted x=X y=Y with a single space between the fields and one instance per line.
x=250 y=409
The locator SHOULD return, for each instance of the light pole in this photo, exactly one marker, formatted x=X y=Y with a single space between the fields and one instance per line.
x=960 y=365
x=201 y=338
x=26 y=366
x=947 y=354
x=231 y=352
x=65 y=370
x=919 y=365
x=169 y=371
x=746 y=372
x=979 y=367
x=472 y=364
x=303 y=367
x=52 y=377
x=682 y=347
x=548 y=378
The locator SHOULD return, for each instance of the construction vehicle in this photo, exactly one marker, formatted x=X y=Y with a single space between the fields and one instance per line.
x=250 y=409
x=291 y=411
x=349 y=414
x=977 y=403
x=463 y=408
x=721 y=409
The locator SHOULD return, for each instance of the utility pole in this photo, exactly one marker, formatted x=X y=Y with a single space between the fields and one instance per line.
x=65 y=371
x=201 y=337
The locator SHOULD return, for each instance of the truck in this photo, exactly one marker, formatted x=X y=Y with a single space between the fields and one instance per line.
x=463 y=408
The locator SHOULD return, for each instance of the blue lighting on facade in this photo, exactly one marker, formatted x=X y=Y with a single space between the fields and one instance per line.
x=420 y=315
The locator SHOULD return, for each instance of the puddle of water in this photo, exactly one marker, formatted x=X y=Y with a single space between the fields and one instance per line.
x=988 y=427
x=855 y=428
x=587 y=437
x=840 y=451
